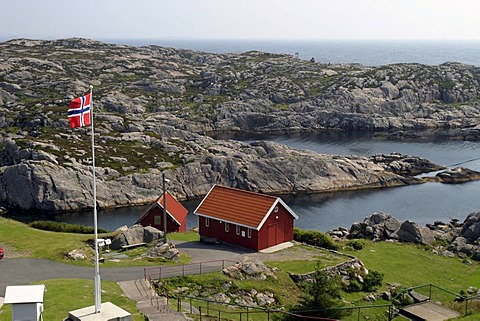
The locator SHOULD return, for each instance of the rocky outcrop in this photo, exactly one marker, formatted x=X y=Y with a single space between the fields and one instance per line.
x=463 y=239
x=249 y=270
x=153 y=105
x=28 y=181
x=381 y=226
x=350 y=271
x=136 y=234
x=458 y=175
x=467 y=242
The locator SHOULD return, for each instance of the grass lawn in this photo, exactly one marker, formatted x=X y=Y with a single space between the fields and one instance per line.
x=31 y=242
x=413 y=265
x=64 y=295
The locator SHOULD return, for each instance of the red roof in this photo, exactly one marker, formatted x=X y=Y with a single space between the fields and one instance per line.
x=238 y=206
x=174 y=208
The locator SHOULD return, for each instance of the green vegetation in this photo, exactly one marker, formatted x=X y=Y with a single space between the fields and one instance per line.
x=315 y=238
x=64 y=295
x=64 y=227
x=322 y=297
x=36 y=243
x=32 y=242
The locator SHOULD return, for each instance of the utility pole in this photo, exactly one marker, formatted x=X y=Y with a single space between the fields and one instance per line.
x=164 y=209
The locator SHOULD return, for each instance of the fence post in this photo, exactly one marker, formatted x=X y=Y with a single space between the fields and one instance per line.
x=200 y=267
x=159 y=273
x=200 y=311
x=268 y=315
x=191 y=307
x=208 y=308
x=430 y=293
x=178 y=304
x=466 y=306
x=358 y=314
x=389 y=312
x=247 y=314
x=219 y=315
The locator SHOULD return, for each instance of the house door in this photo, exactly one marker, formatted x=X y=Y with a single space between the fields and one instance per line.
x=272 y=235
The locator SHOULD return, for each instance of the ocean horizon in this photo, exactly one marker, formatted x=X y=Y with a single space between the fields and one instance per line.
x=364 y=52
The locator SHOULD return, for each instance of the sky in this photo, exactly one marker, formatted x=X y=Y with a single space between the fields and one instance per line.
x=241 y=19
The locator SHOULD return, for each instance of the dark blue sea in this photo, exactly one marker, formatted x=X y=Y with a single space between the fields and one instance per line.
x=365 y=52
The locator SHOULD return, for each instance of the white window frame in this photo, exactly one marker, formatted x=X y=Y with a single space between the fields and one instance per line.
x=237 y=229
x=207 y=221
x=249 y=233
x=227 y=227
x=275 y=209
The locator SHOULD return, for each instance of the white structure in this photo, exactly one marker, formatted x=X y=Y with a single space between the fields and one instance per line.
x=26 y=301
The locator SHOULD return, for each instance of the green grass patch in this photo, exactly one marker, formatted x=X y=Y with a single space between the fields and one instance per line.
x=64 y=295
x=413 y=265
x=35 y=243
x=184 y=236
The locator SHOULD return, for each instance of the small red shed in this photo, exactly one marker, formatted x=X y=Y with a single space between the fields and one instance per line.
x=248 y=219
x=176 y=215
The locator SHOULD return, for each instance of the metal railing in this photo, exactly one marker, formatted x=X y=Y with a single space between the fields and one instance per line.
x=157 y=273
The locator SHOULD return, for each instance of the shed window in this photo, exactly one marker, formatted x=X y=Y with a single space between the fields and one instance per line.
x=275 y=209
x=207 y=222
x=157 y=220
x=238 y=229
x=249 y=233
x=227 y=227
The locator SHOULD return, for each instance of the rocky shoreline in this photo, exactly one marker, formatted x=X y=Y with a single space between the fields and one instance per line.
x=153 y=106
x=447 y=239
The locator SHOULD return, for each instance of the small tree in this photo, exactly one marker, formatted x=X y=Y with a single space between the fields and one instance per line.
x=322 y=296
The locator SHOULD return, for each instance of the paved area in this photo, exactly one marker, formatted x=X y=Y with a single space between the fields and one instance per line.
x=429 y=311
x=19 y=271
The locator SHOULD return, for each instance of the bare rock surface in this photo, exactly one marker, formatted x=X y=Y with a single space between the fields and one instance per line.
x=154 y=106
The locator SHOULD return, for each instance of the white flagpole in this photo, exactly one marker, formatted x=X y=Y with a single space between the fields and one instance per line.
x=98 y=294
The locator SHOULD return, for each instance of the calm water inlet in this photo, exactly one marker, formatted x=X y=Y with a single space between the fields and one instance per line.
x=423 y=203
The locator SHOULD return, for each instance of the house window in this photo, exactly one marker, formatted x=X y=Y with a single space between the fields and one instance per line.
x=227 y=227
x=275 y=209
x=157 y=220
x=249 y=233
x=238 y=230
x=207 y=222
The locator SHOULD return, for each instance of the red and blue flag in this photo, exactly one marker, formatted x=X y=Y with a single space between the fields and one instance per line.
x=79 y=111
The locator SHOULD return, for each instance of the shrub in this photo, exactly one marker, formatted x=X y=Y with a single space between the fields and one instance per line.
x=355 y=244
x=372 y=281
x=314 y=238
x=64 y=227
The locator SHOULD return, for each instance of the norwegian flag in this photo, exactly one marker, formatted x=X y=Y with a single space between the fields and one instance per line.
x=79 y=111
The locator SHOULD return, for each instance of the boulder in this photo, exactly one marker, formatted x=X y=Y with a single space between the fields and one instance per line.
x=250 y=270
x=163 y=250
x=134 y=235
x=77 y=255
x=411 y=232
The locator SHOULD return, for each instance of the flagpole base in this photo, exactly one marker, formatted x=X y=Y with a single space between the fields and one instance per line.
x=109 y=311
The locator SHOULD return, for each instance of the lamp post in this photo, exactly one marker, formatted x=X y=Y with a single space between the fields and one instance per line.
x=165 y=180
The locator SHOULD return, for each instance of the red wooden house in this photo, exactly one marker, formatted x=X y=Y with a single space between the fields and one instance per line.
x=252 y=220
x=176 y=215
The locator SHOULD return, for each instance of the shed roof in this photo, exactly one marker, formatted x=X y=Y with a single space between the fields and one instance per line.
x=24 y=294
x=238 y=206
x=174 y=208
